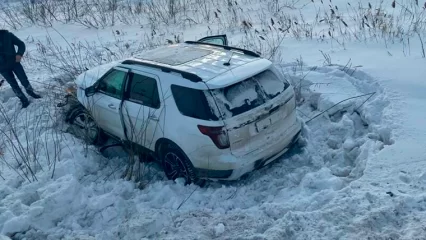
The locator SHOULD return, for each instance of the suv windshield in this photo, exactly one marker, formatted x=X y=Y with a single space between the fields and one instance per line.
x=249 y=94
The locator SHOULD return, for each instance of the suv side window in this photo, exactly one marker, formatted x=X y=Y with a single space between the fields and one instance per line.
x=214 y=41
x=112 y=83
x=144 y=90
x=193 y=103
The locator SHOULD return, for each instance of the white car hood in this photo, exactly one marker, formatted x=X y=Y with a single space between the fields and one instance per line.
x=89 y=77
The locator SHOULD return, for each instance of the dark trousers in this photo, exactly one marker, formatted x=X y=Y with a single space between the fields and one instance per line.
x=19 y=71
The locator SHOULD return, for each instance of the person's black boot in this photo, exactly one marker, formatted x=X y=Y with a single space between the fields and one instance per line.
x=34 y=95
x=25 y=103
x=31 y=92
x=24 y=100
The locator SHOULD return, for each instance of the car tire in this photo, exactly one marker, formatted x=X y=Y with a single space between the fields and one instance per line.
x=176 y=164
x=85 y=127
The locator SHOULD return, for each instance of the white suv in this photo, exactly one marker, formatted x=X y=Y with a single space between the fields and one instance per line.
x=205 y=111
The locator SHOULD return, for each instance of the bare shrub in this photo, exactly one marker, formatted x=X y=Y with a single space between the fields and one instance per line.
x=31 y=142
x=73 y=58
x=266 y=41
x=10 y=16
x=137 y=134
x=367 y=22
x=41 y=12
x=165 y=11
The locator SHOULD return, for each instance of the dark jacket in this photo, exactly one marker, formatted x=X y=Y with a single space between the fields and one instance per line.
x=8 y=41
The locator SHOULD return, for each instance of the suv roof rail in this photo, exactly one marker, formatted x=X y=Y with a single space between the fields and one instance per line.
x=190 y=76
x=246 y=52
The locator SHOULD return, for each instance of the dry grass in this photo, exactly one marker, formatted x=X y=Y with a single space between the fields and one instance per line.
x=31 y=140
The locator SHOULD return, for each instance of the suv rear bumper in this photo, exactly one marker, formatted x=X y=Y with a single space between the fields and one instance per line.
x=246 y=164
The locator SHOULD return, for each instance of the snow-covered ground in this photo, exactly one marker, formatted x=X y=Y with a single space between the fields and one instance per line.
x=361 y=174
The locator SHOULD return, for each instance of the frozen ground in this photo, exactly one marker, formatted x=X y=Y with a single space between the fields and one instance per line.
x=361 y=174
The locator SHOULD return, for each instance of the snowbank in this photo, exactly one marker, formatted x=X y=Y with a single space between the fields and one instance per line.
x=299 y=190
x=360 y=175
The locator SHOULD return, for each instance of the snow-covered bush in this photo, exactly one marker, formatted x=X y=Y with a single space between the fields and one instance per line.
x=30 y=141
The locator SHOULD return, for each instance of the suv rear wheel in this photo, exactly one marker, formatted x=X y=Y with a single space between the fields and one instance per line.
x=176 y=164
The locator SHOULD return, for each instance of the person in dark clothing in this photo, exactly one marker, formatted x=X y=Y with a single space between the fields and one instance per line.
x=10 y=65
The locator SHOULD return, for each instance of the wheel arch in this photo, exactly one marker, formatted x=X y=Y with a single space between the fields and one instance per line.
x=71 y=111
x=162 y=141
x=74 y=111
x=189 y=165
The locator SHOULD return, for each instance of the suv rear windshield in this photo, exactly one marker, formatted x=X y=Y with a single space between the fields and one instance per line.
x=249 y=94
x=193 y=103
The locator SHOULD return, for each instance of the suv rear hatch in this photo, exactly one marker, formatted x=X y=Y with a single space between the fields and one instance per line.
x=254 y=110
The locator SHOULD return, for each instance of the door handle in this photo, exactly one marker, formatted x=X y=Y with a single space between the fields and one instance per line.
x=154 y=118
x=111 y=106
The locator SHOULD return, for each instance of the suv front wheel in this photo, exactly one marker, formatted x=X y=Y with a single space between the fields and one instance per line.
x=176 y=164
x=84 y=126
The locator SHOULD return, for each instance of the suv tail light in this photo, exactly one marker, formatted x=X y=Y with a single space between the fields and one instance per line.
x=217 y=134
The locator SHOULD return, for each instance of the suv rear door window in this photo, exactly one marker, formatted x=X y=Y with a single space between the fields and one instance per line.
x=144 y=90
x=249 y=94
x=193 y=103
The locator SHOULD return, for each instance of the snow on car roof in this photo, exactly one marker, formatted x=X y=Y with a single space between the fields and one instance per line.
x=205 y=61
x=173 y=56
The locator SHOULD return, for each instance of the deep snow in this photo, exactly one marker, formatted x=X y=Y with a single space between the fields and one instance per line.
x=361 y=174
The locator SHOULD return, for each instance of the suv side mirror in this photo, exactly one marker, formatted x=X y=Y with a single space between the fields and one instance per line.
x=90 y=91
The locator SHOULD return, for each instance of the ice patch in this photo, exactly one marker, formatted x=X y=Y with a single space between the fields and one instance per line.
x=15 y=225
x=4 y=191
x=62 y=196
x=147 y=225
x=101 y=202
x=404 y=177
x=321 y=180
x=3 y=237
x=422 y=178
x=219 y=229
